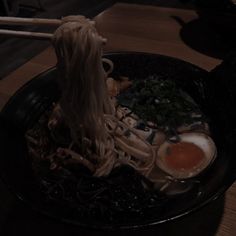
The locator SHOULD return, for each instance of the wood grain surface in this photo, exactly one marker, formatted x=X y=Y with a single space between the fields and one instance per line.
x=152 y=29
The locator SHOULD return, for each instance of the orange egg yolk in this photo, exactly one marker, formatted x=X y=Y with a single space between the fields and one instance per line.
x=183 y=156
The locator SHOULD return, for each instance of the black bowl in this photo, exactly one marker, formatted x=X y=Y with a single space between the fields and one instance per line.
x=34 y=98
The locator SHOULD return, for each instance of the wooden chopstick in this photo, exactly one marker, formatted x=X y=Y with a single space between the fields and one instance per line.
x=26 y=34
x=29 y=21
x=31 y=35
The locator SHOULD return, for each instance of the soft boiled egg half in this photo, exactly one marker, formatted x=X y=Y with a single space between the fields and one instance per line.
x=188 y=157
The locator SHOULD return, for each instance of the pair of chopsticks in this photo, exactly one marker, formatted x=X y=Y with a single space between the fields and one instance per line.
x=35 y=21
x=28 y=21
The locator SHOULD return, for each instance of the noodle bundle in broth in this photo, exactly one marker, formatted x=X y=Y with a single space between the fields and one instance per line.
x=102 y=123
x=84 y=98
x=85 y=104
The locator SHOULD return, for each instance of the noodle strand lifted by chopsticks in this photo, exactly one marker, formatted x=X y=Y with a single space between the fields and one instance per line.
x=84 y=98
x=85 y=104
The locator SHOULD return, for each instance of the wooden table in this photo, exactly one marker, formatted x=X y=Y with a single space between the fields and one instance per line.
x=147 y=29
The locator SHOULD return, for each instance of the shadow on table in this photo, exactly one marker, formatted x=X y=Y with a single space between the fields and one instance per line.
x=204 y=222
x=207 y=39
